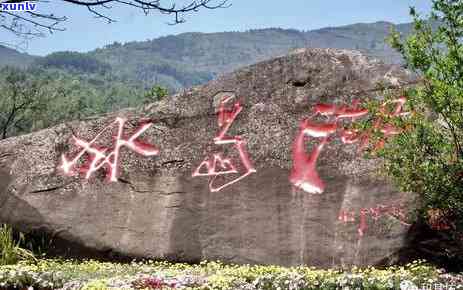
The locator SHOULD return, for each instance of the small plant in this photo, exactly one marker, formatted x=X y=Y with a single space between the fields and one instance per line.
x=10 y=251
x=155 y=94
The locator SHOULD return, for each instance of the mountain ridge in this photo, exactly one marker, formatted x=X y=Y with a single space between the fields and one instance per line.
x=192 y=58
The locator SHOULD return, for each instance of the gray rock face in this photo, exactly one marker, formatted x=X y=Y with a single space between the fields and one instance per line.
x=157 y=209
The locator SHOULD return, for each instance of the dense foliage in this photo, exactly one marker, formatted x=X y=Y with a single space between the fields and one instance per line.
x=427 y=158
x=38 y=98
x=74 y=61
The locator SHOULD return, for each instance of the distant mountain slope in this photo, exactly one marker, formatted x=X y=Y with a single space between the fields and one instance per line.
x=12 y=57
x=212 y=52
x=193 y=58
x=226 y=51
x=368 y=38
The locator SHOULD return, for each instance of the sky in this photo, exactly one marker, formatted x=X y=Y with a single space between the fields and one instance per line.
x=84 y=32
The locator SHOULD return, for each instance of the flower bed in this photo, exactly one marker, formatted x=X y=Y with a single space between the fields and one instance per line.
x=93 y=275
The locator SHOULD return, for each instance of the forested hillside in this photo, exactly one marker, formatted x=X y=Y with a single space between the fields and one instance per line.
x=190 y=59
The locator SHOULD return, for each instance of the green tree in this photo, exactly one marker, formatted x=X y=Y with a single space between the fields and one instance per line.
x=33 y=100
x=427 y=158
x=38 y=98
x=20 y=98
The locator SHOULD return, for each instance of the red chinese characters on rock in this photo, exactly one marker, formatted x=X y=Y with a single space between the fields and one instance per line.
x=102 y=157
x=217 y=165
x=353 y=136
x=375 y=213
x=304 y=174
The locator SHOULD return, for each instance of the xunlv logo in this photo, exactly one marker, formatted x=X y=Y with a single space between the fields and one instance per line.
x=21 y=6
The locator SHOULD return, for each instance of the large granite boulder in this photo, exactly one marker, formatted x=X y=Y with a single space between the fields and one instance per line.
x=158 y=209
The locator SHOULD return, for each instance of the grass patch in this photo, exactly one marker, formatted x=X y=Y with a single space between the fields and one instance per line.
x=10 y=250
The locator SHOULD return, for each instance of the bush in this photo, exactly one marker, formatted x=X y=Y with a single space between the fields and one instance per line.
x=428 y=158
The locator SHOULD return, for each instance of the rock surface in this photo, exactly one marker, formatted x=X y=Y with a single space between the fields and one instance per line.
x=158 y=210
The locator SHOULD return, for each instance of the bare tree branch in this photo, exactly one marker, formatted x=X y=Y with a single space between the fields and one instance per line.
x=50 y=27
x=99 y=15
x=31 y=24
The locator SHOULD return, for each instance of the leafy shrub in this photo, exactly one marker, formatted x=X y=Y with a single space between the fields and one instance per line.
x=428 y=159
x=155 y=94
